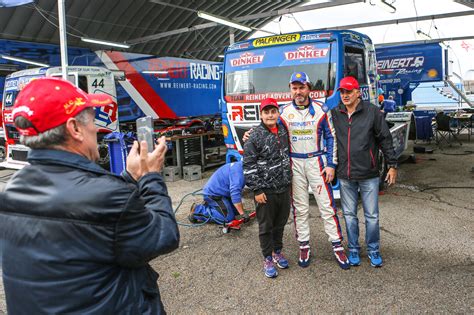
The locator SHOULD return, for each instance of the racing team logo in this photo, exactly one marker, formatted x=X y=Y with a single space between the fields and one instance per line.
x=401 y=65
x=306 y=52
x=246 y=59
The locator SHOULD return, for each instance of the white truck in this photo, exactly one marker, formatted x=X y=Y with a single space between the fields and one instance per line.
x=89 y=79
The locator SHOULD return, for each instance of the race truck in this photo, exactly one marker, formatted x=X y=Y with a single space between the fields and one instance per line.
x=89 y=79
x=171 y=90
x=259 y=68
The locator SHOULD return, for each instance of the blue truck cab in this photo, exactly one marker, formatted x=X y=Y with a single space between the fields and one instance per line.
x=259 y=68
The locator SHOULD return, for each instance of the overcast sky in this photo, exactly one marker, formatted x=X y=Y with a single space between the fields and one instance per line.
x=461 y=52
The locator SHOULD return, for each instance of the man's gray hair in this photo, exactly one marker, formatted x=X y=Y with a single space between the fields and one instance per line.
x=50 y=138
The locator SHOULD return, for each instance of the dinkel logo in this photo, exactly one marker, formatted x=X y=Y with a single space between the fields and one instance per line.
x=306 y=52
x=246 y=59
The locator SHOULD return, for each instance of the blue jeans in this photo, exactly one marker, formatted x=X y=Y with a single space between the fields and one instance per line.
x=369 y=191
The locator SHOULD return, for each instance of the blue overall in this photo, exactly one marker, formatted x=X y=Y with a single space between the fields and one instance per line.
x=221 y=192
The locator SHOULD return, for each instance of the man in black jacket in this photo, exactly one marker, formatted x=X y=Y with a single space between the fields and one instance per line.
x=361 y=129
x=78 y=239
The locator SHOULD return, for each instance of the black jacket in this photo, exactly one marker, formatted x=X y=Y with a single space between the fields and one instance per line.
x=359 y=139
x=77 y=239
x=266 y=160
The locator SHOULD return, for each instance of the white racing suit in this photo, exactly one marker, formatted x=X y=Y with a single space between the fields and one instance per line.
x=309 y=155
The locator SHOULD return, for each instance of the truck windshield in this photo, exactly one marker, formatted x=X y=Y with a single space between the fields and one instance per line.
x=256 y=74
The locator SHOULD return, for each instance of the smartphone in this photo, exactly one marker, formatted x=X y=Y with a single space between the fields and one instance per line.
x=145 y=132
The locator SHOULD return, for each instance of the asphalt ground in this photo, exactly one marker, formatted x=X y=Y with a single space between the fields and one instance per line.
x=427 y=245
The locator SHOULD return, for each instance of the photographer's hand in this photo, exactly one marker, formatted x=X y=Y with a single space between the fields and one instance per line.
x=133 y=162
x=156 y=159
x=140 y=162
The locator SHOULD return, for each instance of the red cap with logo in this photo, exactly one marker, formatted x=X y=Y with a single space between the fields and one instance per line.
x=268 y=102
x=348 y=83
x=49 y=102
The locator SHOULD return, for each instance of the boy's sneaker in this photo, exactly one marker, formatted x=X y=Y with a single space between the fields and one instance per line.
x=341 y=257
x=375 y=259
x=269 y=268
x=305 y=255
x=280 y=260
x=354 y=259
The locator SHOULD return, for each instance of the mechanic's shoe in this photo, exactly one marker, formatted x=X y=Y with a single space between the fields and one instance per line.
x=341 y=257
x=305 y=255
x=354 y=259
x=191 y=217
x=269 y=268
x=375 y=259
x=280 y=260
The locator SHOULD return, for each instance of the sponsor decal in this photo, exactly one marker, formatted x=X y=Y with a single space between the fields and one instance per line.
x=302 y=123
x=248 y=112
x=11 y=84
x=302 y=132
x=398 y=66
x=204 y=71
x=432 y=73
x=279 y=96
x=364 y=93
x=291 y=116
x=246 y=59
x=307 y=37
x=276 y=40
x=238 y=46
x=106 y=116
x=306 y=52
x=8 y=117
x=301 y=138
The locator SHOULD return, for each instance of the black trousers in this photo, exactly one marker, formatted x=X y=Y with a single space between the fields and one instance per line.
x=272 y=217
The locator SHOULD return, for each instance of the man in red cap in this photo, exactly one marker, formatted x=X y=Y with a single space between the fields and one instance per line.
x=361 y=129
x=268 y=174
x=78 y=239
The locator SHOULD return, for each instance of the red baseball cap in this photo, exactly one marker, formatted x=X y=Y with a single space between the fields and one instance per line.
x=49 y=102
x=268 y=102
x=348 y=83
